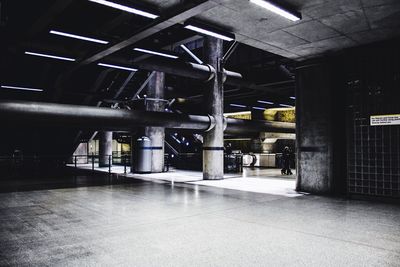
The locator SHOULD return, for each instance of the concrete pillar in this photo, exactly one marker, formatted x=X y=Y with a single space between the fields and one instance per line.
x=213 y=146
x=155 y=95
x=320 y=126
x=105 y=147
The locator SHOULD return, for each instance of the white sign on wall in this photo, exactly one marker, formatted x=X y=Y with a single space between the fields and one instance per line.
x=380 y=120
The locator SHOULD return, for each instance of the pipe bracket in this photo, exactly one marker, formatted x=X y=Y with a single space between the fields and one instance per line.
x=213 y=73
x=224 y=75
x=212 y=123
x=225 y=123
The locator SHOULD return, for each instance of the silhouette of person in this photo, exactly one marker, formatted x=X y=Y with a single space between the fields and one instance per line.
x=286 y=157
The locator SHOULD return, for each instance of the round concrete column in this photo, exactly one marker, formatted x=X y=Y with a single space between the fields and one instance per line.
x=155 y=102
x=213 y=146
x=105 y=148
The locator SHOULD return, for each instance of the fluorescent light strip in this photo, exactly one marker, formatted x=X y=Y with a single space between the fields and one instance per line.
x=238 y=106
x=283 y=105
x=207 y=32
x=116 y=67
x=49 y=56
x=293 y=97
x=258 y=108
x=21 y=88
x=154 y=53
x=126 y=8
x=265 y=102
x=78 y=37
x=277 y=10
x=176 y=139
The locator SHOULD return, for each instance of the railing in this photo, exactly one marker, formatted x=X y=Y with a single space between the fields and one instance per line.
x=233 y=163
x=124 y=160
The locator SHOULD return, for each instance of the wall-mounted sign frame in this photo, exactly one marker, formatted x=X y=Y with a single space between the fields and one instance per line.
x=383 y=120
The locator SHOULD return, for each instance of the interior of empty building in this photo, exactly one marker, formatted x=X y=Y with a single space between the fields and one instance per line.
x=200 y=133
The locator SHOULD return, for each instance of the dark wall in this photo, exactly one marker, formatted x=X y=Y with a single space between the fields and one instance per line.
x=373 y=88
x=338 y=151
x=33 y=140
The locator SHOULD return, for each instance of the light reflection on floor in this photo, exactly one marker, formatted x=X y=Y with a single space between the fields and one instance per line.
x=257 y=185
x=258 y=180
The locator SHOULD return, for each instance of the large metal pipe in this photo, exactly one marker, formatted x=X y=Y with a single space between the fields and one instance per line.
x=173 y=67
x=190 y=70
x=96 y=118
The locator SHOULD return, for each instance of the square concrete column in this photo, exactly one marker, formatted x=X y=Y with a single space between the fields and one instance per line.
x=155 y=102
x=213 y=146
x=105 y=148
x=320 y=126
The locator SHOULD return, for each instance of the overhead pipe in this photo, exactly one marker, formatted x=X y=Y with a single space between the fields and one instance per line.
x=98 y=118
x=189 y=70
x=173 y=67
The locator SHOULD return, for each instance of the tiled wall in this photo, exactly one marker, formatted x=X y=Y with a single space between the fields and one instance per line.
x=373 y=152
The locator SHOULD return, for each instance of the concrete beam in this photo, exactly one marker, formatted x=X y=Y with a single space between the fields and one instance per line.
x=192 y=9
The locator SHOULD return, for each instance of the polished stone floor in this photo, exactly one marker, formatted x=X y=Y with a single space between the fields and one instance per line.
x=257 y=180
x=156 y=223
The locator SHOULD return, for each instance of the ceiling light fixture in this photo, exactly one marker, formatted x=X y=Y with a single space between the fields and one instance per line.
x=49 y=56
x=265 y=102
x=21 y=88
x=126 y=8
x=78 y=37
x=258 y=108
x=284 y=105
x=238 y=106
x=154 y=53
x=291 y=15
x=293 y=97
x=207 y=30
x=116 y=67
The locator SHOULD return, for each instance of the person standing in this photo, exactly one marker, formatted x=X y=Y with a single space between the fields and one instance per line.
x=286 y=157
x=228 y=149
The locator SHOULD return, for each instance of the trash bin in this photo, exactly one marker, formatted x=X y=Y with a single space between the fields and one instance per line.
x=143 y=155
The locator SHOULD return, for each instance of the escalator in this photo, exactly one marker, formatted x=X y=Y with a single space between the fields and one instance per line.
x=184 y=150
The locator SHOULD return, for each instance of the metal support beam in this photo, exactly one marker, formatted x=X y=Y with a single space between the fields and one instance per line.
x=229 y=53
x=191 y=54
x=123 y=86
x=143 y=85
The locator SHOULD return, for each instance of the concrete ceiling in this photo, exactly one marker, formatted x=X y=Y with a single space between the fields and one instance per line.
x=327 y=25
